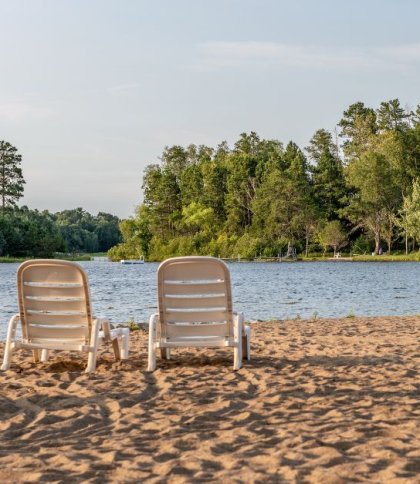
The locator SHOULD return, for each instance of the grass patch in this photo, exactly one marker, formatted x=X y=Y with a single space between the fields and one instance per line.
x=57 y=255
x=73 y=257
x=8 y=259
x=413 y=257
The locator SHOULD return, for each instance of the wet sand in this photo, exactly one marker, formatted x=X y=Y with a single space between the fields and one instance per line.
x=321 y=401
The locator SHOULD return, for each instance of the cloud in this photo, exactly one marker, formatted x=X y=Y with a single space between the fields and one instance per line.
x=128 y=86
x=17 y=112
x=221 y=55
x=403 y=53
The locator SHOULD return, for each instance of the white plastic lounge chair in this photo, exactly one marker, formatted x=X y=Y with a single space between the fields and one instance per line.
x=55 y=314
x=195 y=309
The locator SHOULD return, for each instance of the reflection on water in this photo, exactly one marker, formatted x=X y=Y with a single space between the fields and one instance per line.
x=260 y=290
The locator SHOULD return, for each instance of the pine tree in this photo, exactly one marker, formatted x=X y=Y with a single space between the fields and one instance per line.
x=391 y=116
x=327 y=174
x=11 y=178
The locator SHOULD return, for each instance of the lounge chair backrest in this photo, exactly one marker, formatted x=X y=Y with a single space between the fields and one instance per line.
x=54 y=301
x=194 y=297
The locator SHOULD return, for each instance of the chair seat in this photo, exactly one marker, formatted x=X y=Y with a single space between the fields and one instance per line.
x=202 y=341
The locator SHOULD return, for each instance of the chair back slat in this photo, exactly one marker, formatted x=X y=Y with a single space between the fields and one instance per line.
x=195 y=315
x=203 y=301
x=199 y=288
x=56 y=332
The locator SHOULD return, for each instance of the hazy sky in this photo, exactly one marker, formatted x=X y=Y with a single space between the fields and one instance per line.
x=91 y=91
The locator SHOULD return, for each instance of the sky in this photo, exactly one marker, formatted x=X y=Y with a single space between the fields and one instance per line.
x=91 y=91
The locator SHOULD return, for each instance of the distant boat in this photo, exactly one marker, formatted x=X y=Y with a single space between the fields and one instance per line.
x=132 y=261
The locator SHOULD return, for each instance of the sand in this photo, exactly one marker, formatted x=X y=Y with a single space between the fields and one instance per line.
x=326 y=401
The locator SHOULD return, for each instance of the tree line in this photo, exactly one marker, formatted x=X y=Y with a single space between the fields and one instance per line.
x=356 y=189
x=32 y=233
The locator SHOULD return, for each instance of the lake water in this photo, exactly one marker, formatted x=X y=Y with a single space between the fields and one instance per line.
x=261 y=290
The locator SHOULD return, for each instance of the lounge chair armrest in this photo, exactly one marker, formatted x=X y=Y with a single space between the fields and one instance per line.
x=11 y=330
x=10 y=341
x=238 y=318
x=15 y=319
x=238 y=324
x=154 y=323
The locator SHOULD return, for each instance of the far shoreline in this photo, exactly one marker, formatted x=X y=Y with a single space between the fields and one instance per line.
x=413 y=257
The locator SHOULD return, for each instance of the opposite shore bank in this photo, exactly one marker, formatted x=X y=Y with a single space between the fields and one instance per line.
x=413 y=257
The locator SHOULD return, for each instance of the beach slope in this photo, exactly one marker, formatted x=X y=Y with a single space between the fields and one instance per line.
x=321 y=401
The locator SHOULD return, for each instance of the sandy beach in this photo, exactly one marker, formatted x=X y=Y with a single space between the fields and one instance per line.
x=321 y=401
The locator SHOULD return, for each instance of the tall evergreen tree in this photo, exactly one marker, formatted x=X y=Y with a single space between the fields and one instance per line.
x=357 y=125
x=391 y=116
x=11 y=177
x=162 y=199
x=327 y=174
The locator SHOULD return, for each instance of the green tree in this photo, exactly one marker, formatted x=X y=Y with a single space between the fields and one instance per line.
x=11 y=177
x=77 y=227
x=29 y=233
x=136 y=237
x=107 y=230
x=191 y=185
x=198 y=217
x=241 y=185
x=77 y=216
x=332 y=235
x=358 y=124
x=391 y=116
x=415 y=116
x=376 y=193
x=278 y=207
x=247 y=167
x=298 y=172
x=162 y=197
x=328 y=183
x=214 y=174
x=410 y=215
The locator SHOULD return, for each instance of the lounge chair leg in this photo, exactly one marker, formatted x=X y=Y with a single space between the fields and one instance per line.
x=94 y=348
x=152 y=344
x=116 y=348
x=35 y=354
x=124 y=342
x=246 y=343
x=165 y=353
x=44 y=355
x=244 y=346
x=9 y=346
x=237 y=357
x=91 y=361
x=238 y=332
x=105 y=325
x=8 y=350
x=152 y=357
